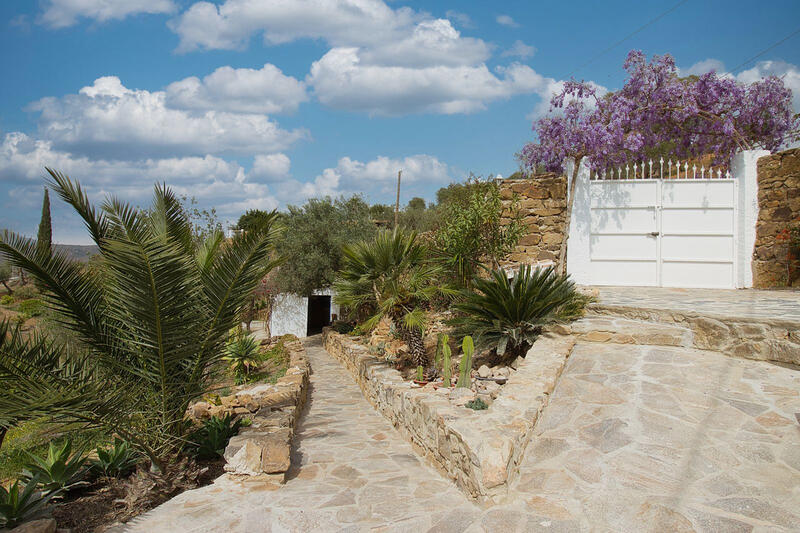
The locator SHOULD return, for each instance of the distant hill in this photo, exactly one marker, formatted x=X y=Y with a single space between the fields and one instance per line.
x=78 y=252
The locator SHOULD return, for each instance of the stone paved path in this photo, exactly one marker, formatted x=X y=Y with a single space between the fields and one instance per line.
x=635 y=438
x=356 y=473
x=783 y=305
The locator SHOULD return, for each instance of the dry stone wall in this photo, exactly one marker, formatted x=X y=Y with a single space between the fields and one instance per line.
x=779 y=206
x=542 y=201
x=479 y=450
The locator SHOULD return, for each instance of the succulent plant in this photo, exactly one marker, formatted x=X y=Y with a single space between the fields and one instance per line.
x=468 y=347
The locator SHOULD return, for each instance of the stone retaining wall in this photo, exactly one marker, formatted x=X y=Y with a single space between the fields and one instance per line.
x=264 y=448
x=479 y=450
x=542 y=203
x=779 y=206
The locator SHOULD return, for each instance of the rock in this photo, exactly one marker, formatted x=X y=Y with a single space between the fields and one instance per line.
x=484 y=371
x=229 y=401
x=259 y=452
x=461 y=395
x=200 y=410
x=45 y=525
x=241 y=411
x=218 y=411
x=501 y=372
x=277 y=399
x=276 y=451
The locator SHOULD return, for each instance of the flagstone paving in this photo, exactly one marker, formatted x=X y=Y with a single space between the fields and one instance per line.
x=635 y=438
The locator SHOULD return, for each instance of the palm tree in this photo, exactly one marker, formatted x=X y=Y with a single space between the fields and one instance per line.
x=507 y=315
x=156 y=322
x=391 y=276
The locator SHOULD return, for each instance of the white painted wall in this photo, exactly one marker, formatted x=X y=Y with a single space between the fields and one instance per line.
x=744 y=168
x=578 y=244
x=290 y=313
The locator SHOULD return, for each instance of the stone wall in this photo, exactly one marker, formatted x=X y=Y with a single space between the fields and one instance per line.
x=479 y=450
x=542 y=203
x=779 y=205
x=264 y=448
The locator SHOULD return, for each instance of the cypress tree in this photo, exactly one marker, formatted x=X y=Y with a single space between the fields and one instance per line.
x=44 y=239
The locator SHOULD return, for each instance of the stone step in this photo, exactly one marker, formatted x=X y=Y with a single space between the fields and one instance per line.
x=626 y=331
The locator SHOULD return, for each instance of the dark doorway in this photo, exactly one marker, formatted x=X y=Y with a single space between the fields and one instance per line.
x=319 y=313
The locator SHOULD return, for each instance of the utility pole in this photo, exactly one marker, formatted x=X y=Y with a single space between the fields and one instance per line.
x=397 y=202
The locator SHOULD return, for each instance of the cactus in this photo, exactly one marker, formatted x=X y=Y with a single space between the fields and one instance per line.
x=447 y=367
x=420 y=373
x=465 y=367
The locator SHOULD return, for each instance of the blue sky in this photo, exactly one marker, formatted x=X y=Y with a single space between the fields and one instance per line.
x=246 y=103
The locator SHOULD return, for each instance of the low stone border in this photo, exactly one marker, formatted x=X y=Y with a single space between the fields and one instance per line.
x=264 y=447
x=479 y=450
x=759 y=339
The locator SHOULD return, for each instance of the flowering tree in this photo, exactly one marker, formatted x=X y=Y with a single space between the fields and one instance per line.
x=658 y=112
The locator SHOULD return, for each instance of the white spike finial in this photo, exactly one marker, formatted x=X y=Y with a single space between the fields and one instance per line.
x=694 y=171
x=651 y=169
x=634 y=170
x=702 y=171
x=661 y=162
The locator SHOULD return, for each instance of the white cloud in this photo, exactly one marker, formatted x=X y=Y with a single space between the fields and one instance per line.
x=519 y=49
x=462 y=19
x=506 y=20
x=213 y=181
x=242 y=90
x=63 y=13
x=339 y=22
x=342 y=81
x=701 y=67
x=108 y=120
x=270 y=167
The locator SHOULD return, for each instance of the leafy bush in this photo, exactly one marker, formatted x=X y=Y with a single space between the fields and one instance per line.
x=391 y=276
x=209 y=441
x=17 y=507
x=477 y=404
x=25 y=292
x=507 y=315
x=60 y=470
x=32 y=307
x=242 y=353
x=117 y=460
x=156 y=323
x=6 y=299
x=472 y=229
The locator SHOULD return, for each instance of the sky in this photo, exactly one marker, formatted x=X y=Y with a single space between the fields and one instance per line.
x=246 y=104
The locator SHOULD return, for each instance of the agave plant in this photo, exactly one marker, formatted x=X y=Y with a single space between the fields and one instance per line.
x=155 y=323
x=242 y=353
x=59 y=470
x=117 y=460
x=507 y=315
x=210 y=440
x=19 y=504
x=391 y=276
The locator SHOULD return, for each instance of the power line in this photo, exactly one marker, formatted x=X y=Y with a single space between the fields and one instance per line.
x=640 y=28
x=765 y=50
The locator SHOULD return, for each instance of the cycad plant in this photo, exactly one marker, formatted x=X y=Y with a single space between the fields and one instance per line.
x=391 y=276
x=155 y=323
x=242 y=353
x=507 y=315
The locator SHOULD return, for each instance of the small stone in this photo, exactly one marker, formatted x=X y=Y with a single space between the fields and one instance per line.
x=45 y=525
x=229 y=401
x=200 y=410
x=484 y=371
x=241 y=411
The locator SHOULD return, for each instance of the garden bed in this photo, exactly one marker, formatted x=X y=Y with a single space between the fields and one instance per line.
x=479 y=450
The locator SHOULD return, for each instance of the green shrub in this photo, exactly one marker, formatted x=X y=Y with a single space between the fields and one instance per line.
x=209 y=441
x=242 y=354
x=117 y=460
x=32 y=307
x=477 y=404
x=60 y=470
x=6 y=299
x=507 y=315
x=26 y=292
x=20 y=504
x=341 y=326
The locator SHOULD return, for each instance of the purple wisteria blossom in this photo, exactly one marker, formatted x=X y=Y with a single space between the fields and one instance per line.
x=655 y=112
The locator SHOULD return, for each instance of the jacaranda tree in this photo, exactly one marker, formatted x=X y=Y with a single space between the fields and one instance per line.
x=153 y=325
x=656 y=111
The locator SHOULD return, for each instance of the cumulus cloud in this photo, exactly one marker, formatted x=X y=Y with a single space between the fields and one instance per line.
x=506 y=20
x=241 y=90
x=342 y=81
x=63 y=13
x=519 y=49
x=462 y=19
x=271 y=167
x=701 y=67
x=340 y=22
x=108 y=120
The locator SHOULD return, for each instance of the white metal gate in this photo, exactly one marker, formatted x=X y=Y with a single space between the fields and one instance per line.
x=678 y=232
